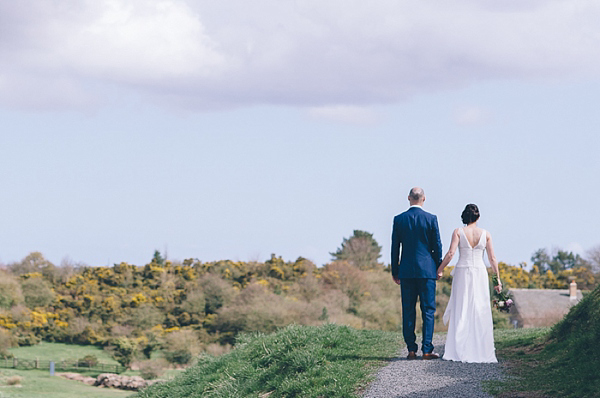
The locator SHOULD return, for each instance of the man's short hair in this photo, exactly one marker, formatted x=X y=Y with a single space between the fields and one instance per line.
x=416 y=194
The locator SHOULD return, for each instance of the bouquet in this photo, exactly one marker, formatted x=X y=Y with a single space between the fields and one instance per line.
x=502 y=300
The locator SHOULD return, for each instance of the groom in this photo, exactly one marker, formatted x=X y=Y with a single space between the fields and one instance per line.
x=418 y=233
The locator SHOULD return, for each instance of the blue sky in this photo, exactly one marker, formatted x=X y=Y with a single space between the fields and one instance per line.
x=222 y=132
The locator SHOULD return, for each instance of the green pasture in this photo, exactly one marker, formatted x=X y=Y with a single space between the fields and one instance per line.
x=58 y=351
x=37 y=383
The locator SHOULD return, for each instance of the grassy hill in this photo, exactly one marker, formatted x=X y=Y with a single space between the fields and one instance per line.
x=306 y=361
x=563 y=361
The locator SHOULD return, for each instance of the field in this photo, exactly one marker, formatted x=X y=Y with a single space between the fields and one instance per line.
x=38 y=383
x=59 y=351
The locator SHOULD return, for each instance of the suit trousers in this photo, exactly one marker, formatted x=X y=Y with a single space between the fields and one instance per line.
x=424 y=289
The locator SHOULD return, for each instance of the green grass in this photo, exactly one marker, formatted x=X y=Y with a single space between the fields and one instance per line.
x=297 y=361
x=58 y=351
x=37 y=383
x=563 y=361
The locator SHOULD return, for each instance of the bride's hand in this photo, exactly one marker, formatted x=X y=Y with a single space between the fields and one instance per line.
x=440 y=273
x=498 y=287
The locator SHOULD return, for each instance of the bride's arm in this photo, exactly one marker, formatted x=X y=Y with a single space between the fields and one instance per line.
x=492 y=257
x=450 y=254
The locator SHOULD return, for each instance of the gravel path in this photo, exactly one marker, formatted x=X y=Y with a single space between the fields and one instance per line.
x=432 y=378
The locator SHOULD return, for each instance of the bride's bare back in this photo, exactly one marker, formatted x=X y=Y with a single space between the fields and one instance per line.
x=473 y=234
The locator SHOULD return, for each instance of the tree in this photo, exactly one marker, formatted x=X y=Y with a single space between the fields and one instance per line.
x=563 y=260
x=124 y=350
x=146 y=316
x=181 y=346
x=10 y=290
x=560 y=261
x=541 y=259
x=36 y=292
x=593 y=258
x=34 y=262
x=360 y=250
x=157 y=258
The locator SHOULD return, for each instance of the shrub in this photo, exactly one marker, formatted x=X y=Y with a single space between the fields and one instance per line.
x=152 y=368
x=36 y=292
x=153 y=341
x=347 y=278
x=181 y=346
x=217 y=292
x=6 y=341
x=307 y=288
x=121 y=330
x=145 y=317
x=88 y=361
x=195 y=303
x=27 y=338
x=10 y=290
x=181 y=356
x=124 y=350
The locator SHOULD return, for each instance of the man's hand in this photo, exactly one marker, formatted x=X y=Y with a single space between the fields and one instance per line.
x=440 y=273
x=396 y=280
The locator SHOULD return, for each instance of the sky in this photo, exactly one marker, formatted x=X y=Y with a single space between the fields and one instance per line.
x=236 y=129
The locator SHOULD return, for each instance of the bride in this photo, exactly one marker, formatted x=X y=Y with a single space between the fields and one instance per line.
x=470 y=335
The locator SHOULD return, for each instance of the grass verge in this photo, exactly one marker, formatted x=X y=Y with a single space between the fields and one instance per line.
x=563 y=361
x=297 y=361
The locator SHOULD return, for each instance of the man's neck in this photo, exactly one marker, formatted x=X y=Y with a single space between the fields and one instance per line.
x=420 y=205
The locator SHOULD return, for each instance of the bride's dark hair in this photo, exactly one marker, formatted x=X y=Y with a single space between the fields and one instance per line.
x=470 y=214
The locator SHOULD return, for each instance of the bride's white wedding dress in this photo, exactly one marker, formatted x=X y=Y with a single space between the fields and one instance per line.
x=470 y=335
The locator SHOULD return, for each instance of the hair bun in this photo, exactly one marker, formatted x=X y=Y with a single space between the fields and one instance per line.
x=470 y=214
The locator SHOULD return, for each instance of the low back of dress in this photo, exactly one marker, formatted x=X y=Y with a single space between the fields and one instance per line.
x=471 y=256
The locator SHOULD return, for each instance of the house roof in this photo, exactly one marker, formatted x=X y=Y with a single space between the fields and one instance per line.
x=541 y=307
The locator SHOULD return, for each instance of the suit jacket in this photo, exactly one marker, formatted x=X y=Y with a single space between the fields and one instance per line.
x=418 y=233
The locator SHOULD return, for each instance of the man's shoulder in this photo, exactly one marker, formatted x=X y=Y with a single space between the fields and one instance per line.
x=416 y=211
x=404 y=214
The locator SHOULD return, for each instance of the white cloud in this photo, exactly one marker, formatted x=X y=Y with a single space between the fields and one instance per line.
x=311 y=53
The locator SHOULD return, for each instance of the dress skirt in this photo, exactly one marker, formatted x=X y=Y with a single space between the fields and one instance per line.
x=468 y=315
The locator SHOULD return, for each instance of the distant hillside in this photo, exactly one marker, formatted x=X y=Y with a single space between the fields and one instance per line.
x=183 y=309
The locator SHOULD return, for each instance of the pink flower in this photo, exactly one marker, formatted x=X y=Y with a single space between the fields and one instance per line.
x=509 y=302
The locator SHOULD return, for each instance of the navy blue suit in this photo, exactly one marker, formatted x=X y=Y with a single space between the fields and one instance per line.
x=417 y=231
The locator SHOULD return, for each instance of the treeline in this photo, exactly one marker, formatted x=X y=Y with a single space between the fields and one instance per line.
x=183 y=308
